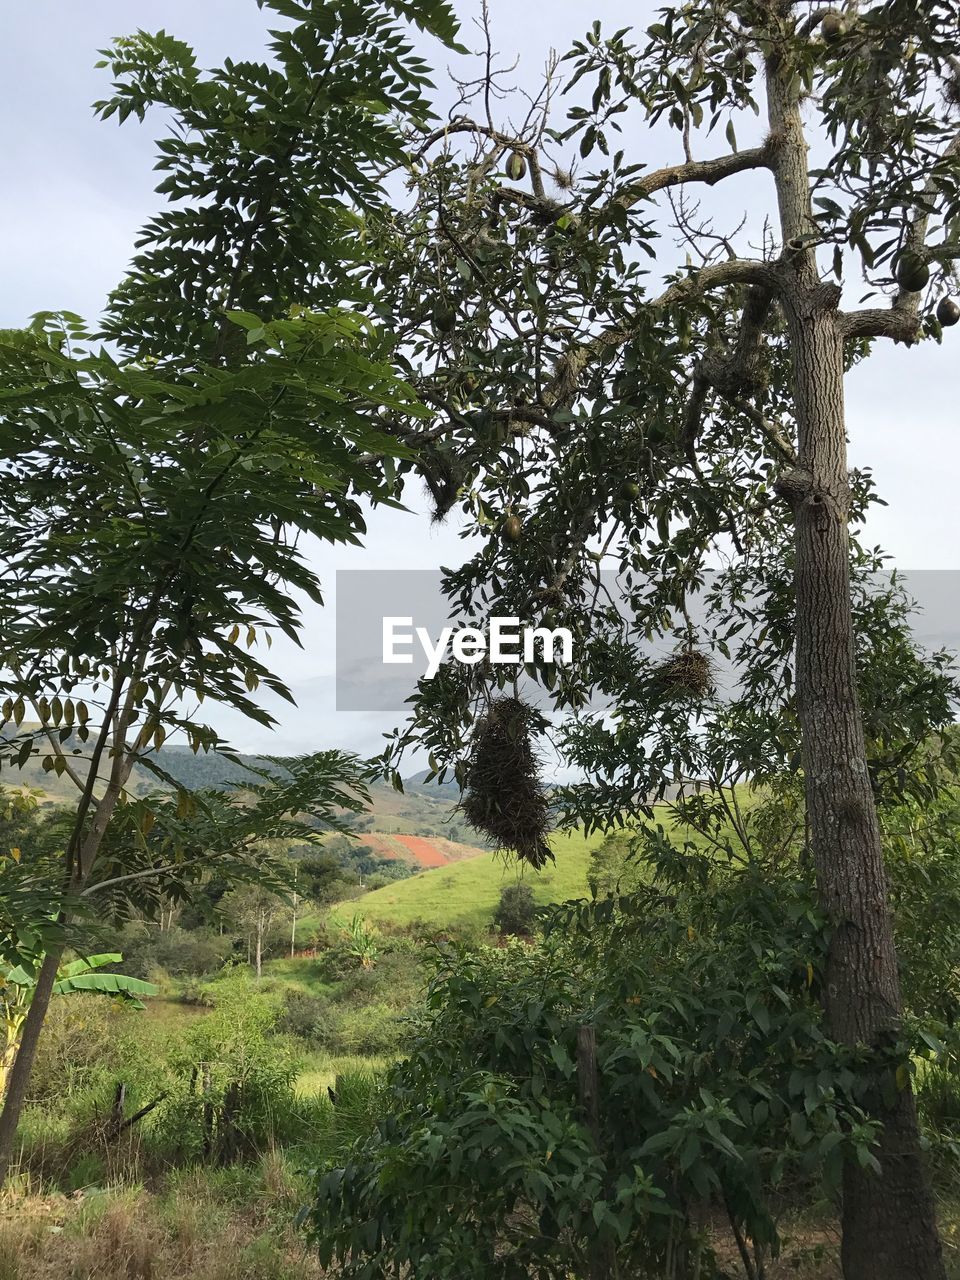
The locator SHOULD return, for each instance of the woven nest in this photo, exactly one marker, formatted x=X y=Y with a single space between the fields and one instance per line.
x=686 y=673
x=443 y=478
x=504 y=796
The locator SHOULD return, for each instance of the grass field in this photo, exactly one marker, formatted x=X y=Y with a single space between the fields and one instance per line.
x=465 y=894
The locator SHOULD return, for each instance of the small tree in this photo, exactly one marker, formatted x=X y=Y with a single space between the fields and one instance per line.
x=615 y=867
x=253 y=908
x=516 y=911
x=155 y=493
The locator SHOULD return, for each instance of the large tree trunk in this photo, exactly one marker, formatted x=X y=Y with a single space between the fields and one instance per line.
x=889 y=1225
x=19 y=1077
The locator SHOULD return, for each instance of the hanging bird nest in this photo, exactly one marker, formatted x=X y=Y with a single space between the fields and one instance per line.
x=686 y=673
x=443 y=477
x=503 y=794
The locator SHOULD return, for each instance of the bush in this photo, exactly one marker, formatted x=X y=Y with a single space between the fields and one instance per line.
x=614 y=869
x=517 y=911
x=234 y=1076
x=715 y=1083
x=370 y=1030
x=86 y=1038
x=178 y=952
x=309 y=1018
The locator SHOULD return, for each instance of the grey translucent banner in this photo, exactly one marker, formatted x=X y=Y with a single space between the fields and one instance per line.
x=389 y=622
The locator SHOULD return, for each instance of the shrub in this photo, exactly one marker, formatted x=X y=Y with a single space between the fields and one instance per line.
x=86 y=1039
x=370 y=1030
x=233 y=1092
x=614 y=869
x=177 y=952
x=517 y=911
x=309 y=1018
x=715 y=1083
x=348 y=1113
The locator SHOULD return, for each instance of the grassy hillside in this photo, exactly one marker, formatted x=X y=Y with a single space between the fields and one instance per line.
x=465 y=894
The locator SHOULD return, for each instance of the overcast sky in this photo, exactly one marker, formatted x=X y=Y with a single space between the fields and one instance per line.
x=75 y=192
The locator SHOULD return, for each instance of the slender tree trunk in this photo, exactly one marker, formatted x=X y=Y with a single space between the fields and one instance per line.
x=19 y=1077
x=889 y=1224
x=259 y=950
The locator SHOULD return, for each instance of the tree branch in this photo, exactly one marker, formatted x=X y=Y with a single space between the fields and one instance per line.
x=719 y=274
x=901 y=321
x=902 y=324
x=698 y=171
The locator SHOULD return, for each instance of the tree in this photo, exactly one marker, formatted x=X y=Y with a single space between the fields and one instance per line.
x=156 y=490
x=581 y=414
x=516 y=911
x=254 y=908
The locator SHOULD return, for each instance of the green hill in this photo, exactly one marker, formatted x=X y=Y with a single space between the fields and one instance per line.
x=419 y=810
x=465 y=894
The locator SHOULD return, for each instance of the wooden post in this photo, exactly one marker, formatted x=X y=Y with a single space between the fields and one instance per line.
x=119 y=1099
x=602 y=1258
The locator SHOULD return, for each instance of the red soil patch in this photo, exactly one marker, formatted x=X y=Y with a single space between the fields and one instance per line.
x=425 y=851
x=383 y=846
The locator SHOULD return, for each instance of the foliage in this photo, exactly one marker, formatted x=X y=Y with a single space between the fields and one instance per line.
x=27 y=924
x=716 y=1080
x=176 y=952
x=359 y=940
x=157 y=488
x=615 y=870
x=650 y=433
x=516 y=911
x=87 y=1042
x=264 y=211
x=232 y=1088
x=17 y=985
x=923 y=869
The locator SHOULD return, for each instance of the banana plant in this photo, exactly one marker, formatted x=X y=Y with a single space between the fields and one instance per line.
x=360 y=940
x=17 y=984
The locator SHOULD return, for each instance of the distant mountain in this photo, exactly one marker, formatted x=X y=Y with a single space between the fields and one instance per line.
x=422 y=809
x=417 y=785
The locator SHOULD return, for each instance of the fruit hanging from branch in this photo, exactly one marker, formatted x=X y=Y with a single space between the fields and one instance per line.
x=948 y=312
x=913 y=273
x=513 y=528
x=444 y=318
x=833 y=27
x=516 y=166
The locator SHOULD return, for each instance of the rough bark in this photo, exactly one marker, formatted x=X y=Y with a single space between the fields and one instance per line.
x=889 y=1224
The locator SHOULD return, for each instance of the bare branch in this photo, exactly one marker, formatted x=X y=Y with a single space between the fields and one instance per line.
x=698 y=171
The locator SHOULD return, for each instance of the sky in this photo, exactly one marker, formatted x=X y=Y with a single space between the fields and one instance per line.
x=75 y=191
